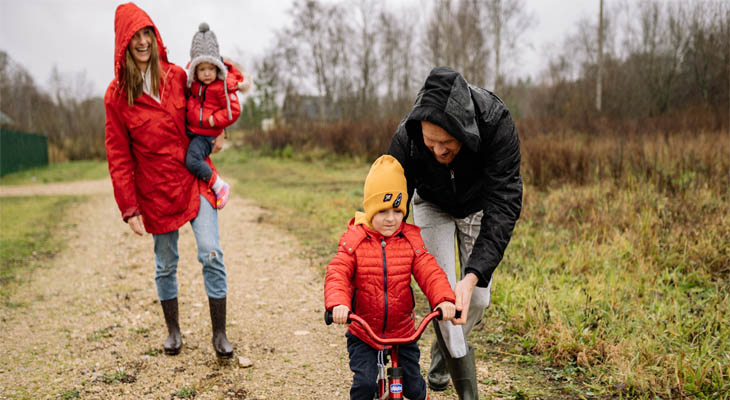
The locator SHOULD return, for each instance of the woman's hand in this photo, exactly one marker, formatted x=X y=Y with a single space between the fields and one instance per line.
x=448 y=310
x=218 y=143
x=211 y=121
x=339 y=314
x=135 y=223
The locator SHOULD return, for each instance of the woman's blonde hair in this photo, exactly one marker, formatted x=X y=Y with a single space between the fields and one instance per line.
x=132 y=78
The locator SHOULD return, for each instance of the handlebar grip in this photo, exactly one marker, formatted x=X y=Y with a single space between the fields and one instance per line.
x=328 y=317
x=441 y=314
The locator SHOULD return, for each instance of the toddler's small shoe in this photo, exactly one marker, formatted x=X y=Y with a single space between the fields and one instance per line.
x=222 y=196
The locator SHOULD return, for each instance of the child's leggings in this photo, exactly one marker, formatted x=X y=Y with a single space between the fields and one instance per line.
x=198 y=150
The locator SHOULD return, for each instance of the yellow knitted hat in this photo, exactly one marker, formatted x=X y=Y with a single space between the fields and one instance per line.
x=385 y=187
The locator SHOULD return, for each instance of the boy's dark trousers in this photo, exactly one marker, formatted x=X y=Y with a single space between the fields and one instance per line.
x=364 y=364
x=198 y=150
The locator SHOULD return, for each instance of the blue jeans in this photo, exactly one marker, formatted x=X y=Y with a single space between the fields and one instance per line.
x=364 y=365
x=210 y=255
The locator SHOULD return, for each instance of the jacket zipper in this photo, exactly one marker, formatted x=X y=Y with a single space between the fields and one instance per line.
x=385 y=284
x=453 y=180
x=201 y=97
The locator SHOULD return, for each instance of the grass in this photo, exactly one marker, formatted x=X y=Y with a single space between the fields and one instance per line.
x=27 y=223
x=118 y=376
x=58 y=172
x=627 y=285
x=185 y=393
x=26 y=237
x=616 y=287
x=70 y=394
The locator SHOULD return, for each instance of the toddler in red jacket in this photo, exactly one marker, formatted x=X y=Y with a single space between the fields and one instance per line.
x=212 y=106
x=371 y=276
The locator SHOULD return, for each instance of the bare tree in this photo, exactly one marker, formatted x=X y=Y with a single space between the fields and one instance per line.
x=315 y=48
x=599 y=75
x=365 y=57
x=455 y=37
x=663 y=42
x=390 y=58
x=508 y=21
x=399 y=59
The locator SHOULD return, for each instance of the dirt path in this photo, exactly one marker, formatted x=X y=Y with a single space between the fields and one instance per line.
x=90 y=322
x=102 y=186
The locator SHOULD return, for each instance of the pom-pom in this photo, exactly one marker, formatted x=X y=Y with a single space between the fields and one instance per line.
x=203 y=27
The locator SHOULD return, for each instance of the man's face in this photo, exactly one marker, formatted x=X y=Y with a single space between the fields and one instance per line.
x=443 y=146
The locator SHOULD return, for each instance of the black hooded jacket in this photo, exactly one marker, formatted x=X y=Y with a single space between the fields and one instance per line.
x=484 y=175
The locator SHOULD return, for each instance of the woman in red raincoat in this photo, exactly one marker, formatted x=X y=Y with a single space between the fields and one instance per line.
x=145 y=147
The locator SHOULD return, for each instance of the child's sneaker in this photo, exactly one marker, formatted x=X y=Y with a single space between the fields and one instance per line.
x=222 y=196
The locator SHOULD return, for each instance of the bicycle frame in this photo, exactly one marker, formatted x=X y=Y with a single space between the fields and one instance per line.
x=394 y=387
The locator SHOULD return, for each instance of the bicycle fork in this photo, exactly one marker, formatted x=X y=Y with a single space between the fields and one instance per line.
x=393 y=389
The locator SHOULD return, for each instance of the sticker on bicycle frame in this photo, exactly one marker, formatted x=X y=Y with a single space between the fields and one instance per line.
x=396 y=388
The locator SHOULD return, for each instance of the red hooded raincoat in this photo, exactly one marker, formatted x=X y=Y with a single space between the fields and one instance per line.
x=146 y=143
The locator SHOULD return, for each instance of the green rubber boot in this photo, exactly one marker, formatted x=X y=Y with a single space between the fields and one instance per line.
x=438 y=374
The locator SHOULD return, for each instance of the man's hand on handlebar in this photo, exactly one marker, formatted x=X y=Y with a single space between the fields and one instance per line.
x=448 y=309
x=339 y=314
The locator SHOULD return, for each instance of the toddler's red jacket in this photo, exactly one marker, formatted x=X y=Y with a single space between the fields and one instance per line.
x=206 y=100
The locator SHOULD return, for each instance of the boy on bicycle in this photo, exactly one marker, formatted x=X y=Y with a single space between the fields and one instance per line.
x=371 y=276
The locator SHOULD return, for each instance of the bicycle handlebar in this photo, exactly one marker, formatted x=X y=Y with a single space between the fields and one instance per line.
x=389 y=341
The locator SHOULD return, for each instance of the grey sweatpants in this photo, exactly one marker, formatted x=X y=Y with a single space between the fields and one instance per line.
x=441 y=232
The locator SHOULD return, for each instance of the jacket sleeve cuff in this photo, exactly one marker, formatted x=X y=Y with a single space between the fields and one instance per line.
x=441 y=300
x=334 y=302
x=484 y=279
x=130 y=212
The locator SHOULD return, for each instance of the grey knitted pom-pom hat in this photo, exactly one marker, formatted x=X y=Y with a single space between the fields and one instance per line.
x=205 y=49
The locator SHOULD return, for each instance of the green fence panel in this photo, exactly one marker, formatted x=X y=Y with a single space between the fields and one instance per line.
x=21 y=150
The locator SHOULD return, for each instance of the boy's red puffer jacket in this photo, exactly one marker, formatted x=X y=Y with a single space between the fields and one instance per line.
x=206 y=100
x=374 y=280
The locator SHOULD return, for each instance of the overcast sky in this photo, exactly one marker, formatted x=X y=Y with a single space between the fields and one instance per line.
x=78 y=35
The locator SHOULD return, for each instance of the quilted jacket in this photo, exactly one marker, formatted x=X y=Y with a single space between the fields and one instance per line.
x=371 y=274
x=206 y=100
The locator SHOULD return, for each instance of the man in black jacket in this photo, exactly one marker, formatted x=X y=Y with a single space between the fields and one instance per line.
x=461 y=155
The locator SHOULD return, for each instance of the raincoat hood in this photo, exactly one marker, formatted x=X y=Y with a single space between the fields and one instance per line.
x=445 y=100
x=128 y=19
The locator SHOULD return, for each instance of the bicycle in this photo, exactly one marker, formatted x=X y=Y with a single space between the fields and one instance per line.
x=394 y=388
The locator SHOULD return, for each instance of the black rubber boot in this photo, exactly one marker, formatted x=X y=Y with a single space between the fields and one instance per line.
x=463 y=371
x=173 y=343
x=438 y=375
x=222 y=346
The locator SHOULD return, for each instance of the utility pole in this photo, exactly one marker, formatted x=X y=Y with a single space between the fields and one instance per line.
x=599 y=74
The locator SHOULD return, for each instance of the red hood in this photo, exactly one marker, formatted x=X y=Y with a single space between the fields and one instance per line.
x=128 y=19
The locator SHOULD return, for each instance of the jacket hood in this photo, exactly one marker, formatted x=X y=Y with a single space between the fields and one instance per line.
x=128 y=19
x=445 y=100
